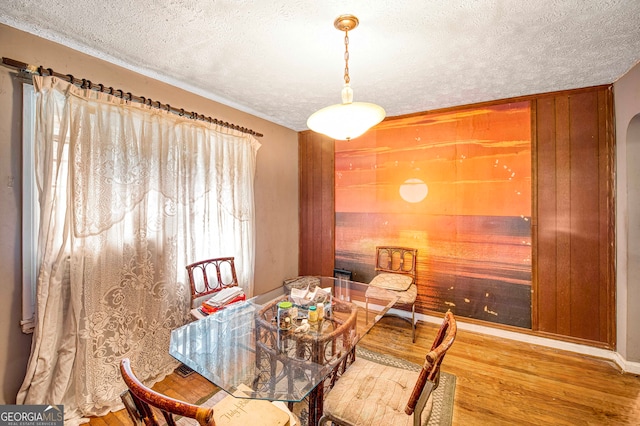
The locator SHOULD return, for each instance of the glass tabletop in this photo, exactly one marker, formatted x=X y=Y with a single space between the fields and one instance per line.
x=244 y=345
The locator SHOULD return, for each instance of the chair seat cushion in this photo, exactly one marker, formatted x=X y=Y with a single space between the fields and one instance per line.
x=230 y=410
x=397 y=282
x=369 y=393
x=404 y=297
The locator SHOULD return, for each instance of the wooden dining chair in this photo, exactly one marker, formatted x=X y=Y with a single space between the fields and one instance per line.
x=210 y=276
x=143 y=405
x=369 y=393
x=396 y=271
x=139 y=401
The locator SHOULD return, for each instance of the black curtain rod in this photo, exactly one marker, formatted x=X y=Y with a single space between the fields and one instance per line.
x=27 y=69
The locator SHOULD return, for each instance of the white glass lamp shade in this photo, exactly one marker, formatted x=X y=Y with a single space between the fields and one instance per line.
x=346 y=121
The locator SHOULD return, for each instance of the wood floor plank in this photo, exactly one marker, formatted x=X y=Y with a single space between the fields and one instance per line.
x=498 y=381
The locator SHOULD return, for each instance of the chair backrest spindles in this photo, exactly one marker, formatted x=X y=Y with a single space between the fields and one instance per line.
x=211 y=275
x=398 y=260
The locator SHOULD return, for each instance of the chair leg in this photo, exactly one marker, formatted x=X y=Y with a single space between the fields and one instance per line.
x=413 y=321
x=366 y=304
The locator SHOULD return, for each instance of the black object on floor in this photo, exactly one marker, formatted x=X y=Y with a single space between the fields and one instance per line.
x=184 y=371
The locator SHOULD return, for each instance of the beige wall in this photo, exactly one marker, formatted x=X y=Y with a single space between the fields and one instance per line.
x=276 y=186
x=627 y=107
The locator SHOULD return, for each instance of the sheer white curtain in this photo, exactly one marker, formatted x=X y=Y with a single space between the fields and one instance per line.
x=129 y=195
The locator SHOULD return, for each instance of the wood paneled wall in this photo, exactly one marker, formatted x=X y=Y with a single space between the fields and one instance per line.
x=316 y=159
x=573 y=227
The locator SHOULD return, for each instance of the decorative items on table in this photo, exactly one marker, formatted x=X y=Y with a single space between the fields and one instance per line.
x=320 y=309
x=223 y=298
x=313 y=314
x=312 y=303
x=303 y=327
x=304 y=298
x=285 y=319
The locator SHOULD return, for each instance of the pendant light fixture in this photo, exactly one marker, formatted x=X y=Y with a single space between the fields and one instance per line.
x=349 y=119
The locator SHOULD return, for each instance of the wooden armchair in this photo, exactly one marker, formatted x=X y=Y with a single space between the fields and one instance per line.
x=396 y=271
x=372 y=394
x=143 y=405
x=210 y=276
x=140 y=399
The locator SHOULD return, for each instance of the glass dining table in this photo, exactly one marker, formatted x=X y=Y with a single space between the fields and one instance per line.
x=246 y=346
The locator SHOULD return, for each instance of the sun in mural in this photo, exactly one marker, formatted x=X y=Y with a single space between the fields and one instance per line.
x=413 y=190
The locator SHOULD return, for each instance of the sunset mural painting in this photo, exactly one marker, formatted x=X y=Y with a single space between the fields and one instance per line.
x=456 y=186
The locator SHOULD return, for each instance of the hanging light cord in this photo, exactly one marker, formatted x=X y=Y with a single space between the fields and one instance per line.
x=347 y=79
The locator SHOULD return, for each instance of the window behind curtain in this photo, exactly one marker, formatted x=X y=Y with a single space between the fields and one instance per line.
x=31 y=213
x=30 y=210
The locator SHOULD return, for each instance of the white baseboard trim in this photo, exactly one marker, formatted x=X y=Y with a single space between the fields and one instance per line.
x=625 y=366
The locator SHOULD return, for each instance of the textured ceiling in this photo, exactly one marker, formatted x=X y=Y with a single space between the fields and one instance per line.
x=283 y=60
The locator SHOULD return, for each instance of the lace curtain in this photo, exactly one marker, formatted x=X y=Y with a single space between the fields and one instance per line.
x=129 y=195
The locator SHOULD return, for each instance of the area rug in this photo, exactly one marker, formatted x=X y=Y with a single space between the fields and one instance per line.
x=442 y=411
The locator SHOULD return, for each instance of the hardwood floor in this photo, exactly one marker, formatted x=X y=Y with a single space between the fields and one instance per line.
x=498 y=381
